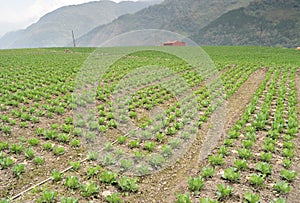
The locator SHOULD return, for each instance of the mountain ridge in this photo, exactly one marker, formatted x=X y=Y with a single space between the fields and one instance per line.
x=263 y=22
x=54 y=28
x=207 y=22
x=183 y=17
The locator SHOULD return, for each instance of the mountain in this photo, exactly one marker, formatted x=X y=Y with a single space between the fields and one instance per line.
x=7 y=40
x=182 y=16
x=263 y=22
x=54 y=28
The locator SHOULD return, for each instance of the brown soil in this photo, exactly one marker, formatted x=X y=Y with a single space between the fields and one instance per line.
x=294 y=195
x=266 y=192
x=11 y=185
x=160 y=187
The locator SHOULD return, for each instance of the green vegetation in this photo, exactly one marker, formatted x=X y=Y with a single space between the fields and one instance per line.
x=282 y=187
x=56 y=175
x=114 y=198
x=89 y=189
x=195 y=184
x=72 y=182
x=207 y=172
x=224 y=191
x=261 y=141
x=108 y=177
x=47 y=197
x=251 y=198
x=128 y=184
x=231 y=175
x=183 y=198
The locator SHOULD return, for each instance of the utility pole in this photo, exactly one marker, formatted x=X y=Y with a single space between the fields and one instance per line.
x=74 y=43
x=260 y=34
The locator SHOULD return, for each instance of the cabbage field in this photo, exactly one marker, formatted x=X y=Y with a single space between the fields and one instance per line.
x=151 y=127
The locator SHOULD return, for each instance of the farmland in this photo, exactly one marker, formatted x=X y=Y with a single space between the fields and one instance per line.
x=68 y=143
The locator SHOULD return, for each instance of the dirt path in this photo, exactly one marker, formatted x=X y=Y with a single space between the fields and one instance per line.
x=160 y=187
x=294 y=195
x=234 y=107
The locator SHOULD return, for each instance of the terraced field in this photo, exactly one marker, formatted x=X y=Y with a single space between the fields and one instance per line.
x=152 y=127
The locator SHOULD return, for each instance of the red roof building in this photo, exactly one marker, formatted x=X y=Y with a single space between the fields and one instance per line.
x=174 y=43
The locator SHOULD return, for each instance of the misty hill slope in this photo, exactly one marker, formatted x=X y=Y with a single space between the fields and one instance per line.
x=184 y=17
x=263 y=22
x=54 y=28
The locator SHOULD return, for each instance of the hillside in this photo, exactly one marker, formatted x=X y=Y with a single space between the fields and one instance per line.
x=184 y=17
x=263 y=22
x=54 y=28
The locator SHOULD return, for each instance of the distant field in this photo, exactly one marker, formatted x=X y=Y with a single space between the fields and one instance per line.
x=225 y=130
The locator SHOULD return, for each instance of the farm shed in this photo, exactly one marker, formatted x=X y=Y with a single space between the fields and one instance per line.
x=174 y=43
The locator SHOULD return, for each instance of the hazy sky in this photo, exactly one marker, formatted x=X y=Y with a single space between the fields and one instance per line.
x=17 y=14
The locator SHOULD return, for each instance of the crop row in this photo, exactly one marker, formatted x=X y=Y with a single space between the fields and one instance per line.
x=253 y=163
x=45 y=97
